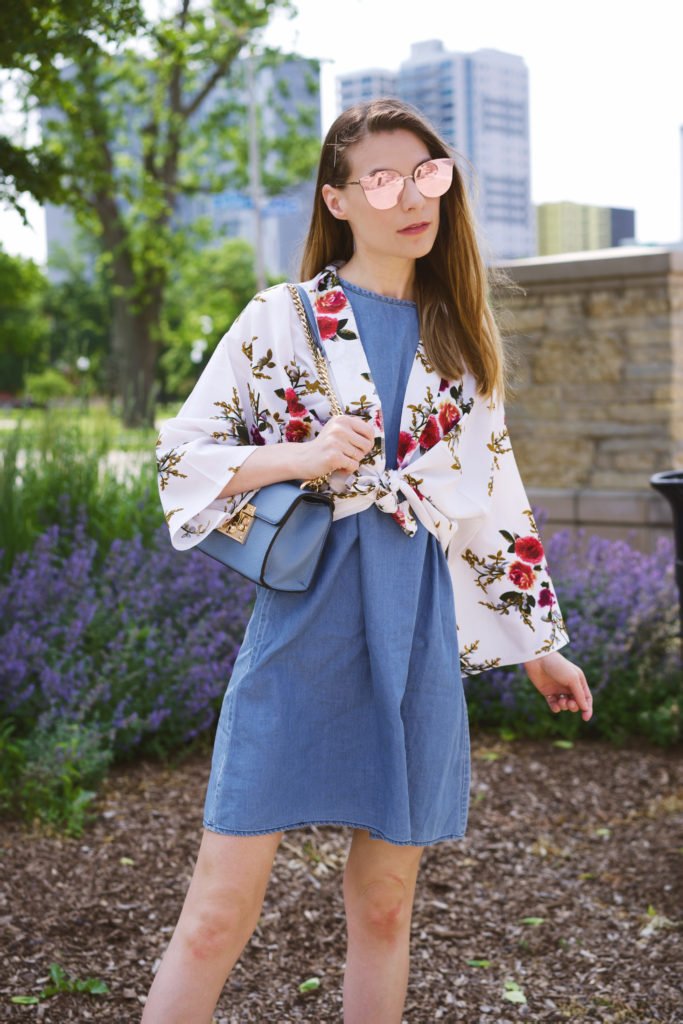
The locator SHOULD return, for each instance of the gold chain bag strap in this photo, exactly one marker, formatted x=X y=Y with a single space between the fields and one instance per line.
x=323 y=375
x=277 y=538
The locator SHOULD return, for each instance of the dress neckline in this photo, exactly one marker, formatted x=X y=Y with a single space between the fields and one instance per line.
x=348 y=287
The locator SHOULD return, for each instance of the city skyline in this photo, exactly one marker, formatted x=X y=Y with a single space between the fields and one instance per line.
x=606 y=92
x=606 y=89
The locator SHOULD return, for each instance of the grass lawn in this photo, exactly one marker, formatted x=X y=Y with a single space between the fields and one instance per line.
x=97 y=423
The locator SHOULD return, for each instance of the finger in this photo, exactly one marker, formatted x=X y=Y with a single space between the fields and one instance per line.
x=363 y=427
x=344 y=434
x=346 y=465
x=352 y=450
x=366 y=427
x=582 y=695
x=367 y=440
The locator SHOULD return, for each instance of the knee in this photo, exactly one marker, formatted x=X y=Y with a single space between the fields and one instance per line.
x=217 y=922
x=381 y=909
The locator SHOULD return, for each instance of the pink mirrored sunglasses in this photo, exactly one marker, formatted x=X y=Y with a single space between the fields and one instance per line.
x=383 y=189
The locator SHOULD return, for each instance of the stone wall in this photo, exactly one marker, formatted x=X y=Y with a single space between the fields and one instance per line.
x=596 y=405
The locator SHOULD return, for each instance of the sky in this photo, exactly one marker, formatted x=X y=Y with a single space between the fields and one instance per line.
x=606 y=89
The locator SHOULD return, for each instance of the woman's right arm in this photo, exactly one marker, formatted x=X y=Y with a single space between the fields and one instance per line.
x=340 y=445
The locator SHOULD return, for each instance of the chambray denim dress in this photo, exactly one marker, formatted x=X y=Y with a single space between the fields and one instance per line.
x=346 y=705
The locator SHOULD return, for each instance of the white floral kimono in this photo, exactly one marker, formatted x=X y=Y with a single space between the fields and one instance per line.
x=456 y=471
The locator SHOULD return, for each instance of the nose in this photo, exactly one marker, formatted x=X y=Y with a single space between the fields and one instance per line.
x=411 y=196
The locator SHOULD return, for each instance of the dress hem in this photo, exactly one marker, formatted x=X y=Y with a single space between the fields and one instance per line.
x=374 y=833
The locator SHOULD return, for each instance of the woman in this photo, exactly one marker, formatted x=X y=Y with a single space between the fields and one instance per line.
x=346 y=704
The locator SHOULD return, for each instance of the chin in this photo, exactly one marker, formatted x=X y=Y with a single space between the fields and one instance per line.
x=425 y=247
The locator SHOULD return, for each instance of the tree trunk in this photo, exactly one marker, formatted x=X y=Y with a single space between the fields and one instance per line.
x=135 y=352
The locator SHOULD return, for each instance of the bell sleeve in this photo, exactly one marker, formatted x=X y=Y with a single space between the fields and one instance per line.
x=506 y=607
x=216 y=430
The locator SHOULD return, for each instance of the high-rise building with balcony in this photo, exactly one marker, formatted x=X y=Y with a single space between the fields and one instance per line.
x=479 y=103
x=359 y=86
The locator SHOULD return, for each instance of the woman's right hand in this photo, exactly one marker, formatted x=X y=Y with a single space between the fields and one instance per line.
x=341 y=445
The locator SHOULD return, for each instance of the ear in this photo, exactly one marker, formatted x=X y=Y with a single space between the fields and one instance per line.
x=334 y=200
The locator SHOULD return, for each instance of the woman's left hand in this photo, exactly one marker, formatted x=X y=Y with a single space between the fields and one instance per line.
x=562 y=683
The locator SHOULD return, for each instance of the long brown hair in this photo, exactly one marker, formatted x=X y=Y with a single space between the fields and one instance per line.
x=451 y=282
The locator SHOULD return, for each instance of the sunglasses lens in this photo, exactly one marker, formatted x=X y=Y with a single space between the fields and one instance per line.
x=434 y=177
x=382 y=189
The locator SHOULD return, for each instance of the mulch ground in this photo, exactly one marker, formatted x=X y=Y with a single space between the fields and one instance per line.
x=585 y=841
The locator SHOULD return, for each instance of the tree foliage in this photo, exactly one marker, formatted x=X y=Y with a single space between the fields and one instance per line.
x=220 y=282
x=33 y=37
x=23 y=324
x=137 y=114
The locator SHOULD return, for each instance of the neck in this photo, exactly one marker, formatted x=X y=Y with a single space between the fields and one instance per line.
x=395 y=280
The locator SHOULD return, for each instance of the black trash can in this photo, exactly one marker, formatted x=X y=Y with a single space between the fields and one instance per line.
x=670 y=484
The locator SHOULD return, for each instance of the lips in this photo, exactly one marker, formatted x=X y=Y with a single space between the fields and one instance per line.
x=415 y=229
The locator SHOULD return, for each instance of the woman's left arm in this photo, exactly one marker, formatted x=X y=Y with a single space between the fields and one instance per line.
x=562 y=683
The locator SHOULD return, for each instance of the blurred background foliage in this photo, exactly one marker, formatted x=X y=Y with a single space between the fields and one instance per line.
x=136 y=112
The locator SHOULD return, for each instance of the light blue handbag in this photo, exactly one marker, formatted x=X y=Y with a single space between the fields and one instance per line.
x=277 y=539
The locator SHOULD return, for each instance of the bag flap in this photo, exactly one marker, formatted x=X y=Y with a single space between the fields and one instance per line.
x=273 y=502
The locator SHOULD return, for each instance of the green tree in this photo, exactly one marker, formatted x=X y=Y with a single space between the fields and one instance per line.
x=23 y=324
x=134 y=127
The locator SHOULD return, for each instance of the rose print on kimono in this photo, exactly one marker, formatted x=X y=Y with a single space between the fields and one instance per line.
x=529 y=553
x=430 y=434
x=330 y=301
x=406 y=446
x=521 y=572
x=297 y=430
x=294 y=406
x=449 y=416
x=332 y=329
x=300 y=417
x=529 y=549
x=437 y=418
x=522 y=575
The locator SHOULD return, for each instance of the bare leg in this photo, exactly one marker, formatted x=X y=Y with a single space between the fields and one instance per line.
x=220 y=912
x=379 y=887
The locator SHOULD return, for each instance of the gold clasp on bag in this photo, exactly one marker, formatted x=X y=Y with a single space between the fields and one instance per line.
x=239 y=527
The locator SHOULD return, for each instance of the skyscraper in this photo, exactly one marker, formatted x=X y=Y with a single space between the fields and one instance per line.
x=479 y=102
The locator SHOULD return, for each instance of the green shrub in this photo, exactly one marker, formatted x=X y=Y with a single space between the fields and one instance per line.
x=55 y=469
x=47 y=384
x=51 y=777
